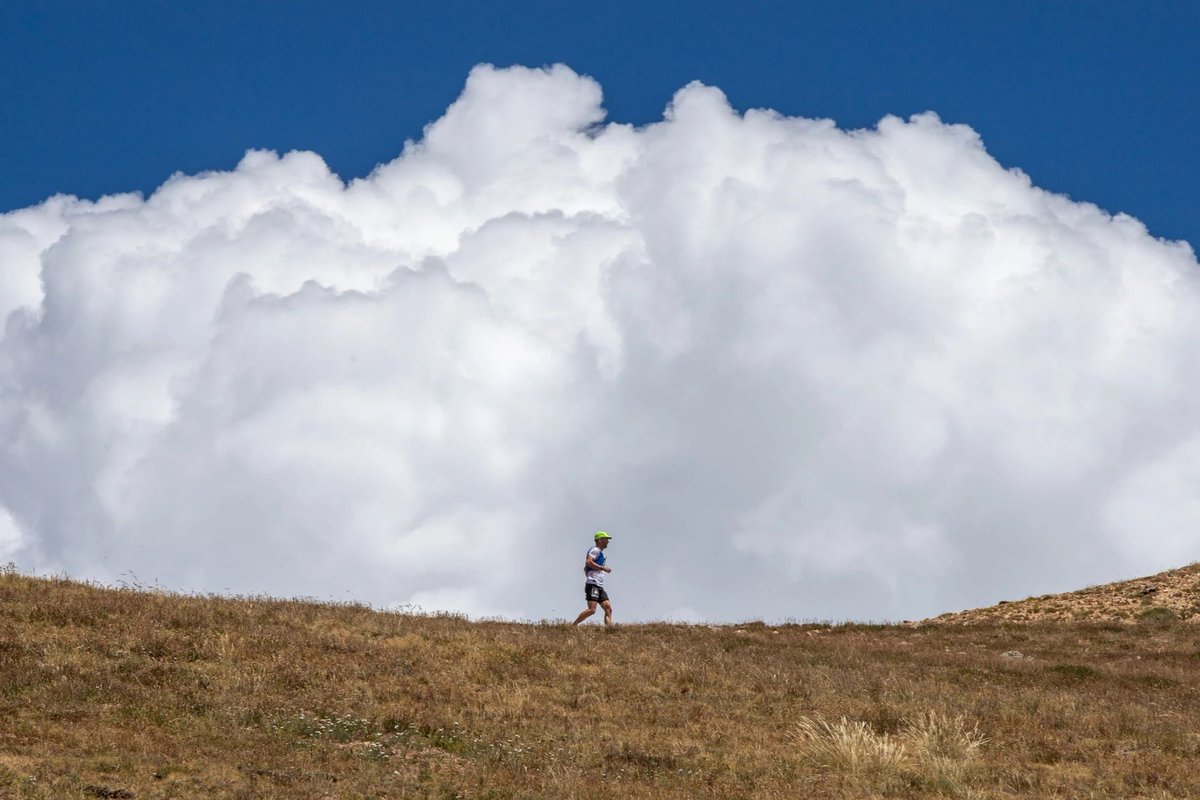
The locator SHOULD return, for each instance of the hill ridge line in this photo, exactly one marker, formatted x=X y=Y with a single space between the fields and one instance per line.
x=1170 y=595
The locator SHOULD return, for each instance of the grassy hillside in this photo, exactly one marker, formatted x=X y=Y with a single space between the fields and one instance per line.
x=1170 y=595
x=114 y=693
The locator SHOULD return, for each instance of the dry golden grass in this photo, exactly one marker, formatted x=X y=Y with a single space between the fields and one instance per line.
x=123 y=693
x=935 y=751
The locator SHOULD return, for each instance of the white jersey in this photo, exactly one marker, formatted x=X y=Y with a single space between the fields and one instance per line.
x=594 y=575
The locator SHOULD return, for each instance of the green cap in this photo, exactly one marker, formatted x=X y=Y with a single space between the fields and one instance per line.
x=602 y=535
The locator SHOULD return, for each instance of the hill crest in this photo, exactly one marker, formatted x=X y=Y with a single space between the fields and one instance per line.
x=1170 y=595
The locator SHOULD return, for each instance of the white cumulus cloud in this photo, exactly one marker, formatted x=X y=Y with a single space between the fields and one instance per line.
x=797 y=371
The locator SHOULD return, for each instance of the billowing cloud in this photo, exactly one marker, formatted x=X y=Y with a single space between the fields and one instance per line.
x=797 y=371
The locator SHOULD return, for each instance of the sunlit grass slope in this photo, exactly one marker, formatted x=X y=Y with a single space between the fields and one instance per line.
x=121 y=693
x=1170 y=595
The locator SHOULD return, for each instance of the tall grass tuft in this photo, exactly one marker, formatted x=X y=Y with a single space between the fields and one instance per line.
x=934 y=735
x=933 y=751
x=849 y=748
x=944 y=749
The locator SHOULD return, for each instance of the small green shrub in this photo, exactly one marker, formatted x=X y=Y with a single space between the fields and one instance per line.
x=1074 y=672
x=1158 y=615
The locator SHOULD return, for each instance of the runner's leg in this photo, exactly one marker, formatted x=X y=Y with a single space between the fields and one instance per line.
x=587 y=612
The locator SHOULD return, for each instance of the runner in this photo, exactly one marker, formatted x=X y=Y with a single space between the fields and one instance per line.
x=593 y=587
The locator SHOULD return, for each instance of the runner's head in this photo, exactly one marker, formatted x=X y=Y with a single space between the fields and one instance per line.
x=602 y=539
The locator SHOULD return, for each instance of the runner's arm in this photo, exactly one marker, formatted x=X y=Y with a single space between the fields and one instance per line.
x=590 y=564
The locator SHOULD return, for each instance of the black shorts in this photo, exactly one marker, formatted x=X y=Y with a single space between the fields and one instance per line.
x=594 y=594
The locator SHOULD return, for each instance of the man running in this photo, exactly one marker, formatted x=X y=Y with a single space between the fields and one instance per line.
x=593 y=587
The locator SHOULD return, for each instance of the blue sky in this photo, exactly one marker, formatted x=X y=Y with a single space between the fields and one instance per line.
x=1093 y=100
